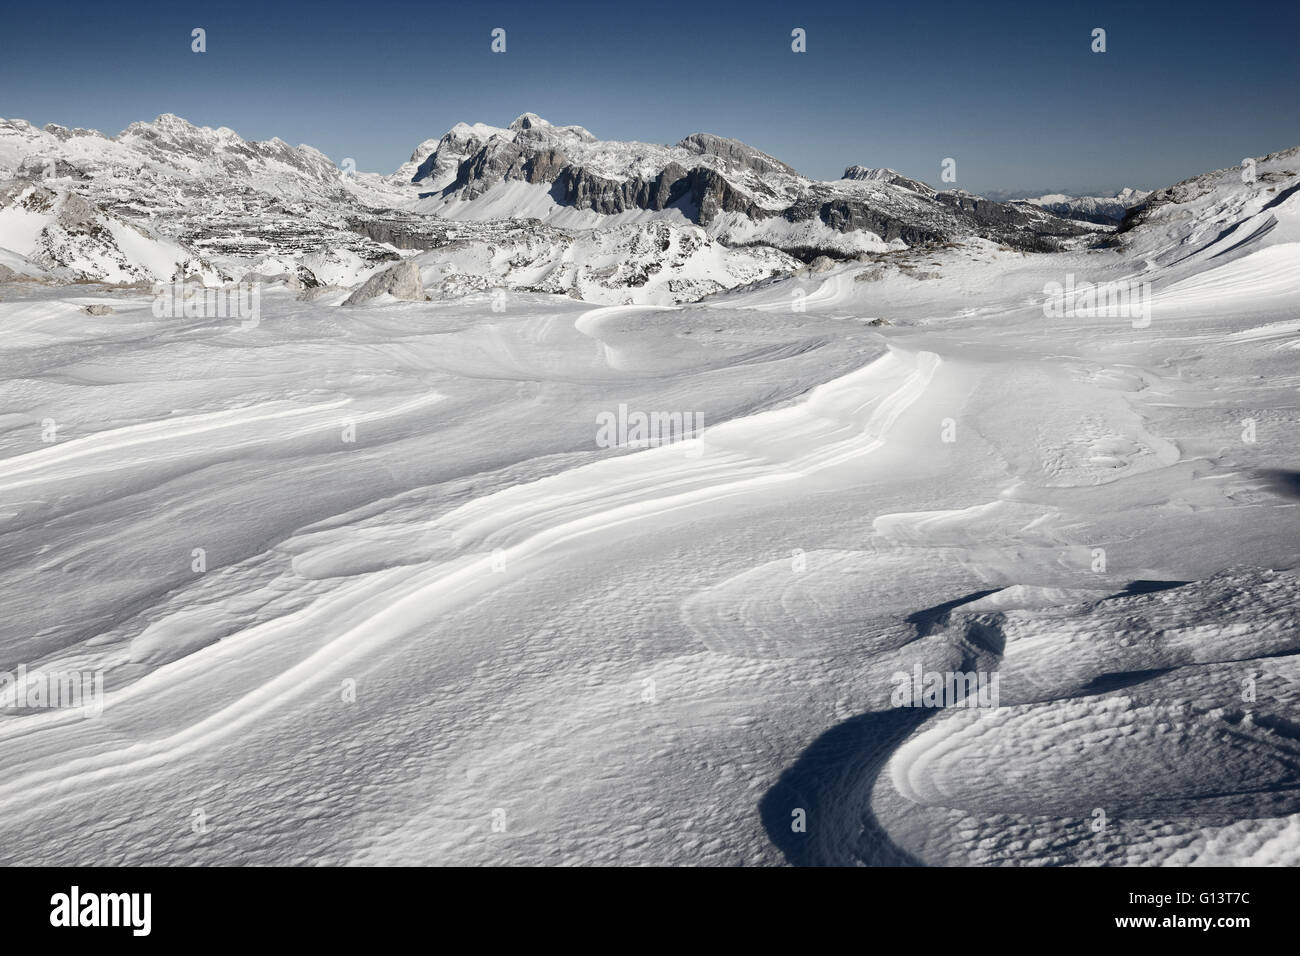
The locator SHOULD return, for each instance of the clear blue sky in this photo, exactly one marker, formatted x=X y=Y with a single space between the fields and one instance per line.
x=1012 y=91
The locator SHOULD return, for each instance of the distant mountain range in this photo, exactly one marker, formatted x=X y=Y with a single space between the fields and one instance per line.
x=532 y=205
x=563 y=175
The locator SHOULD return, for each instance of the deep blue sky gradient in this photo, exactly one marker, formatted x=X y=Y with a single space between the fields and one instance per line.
x=1010 y=90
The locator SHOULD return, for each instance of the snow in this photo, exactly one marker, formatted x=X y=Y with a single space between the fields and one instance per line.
x=19 y=229
x=366 y=588
x=813 y=234
x=157 y=258
x=636 y=263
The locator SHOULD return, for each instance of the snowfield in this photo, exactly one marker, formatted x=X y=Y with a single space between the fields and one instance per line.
x=366 y=587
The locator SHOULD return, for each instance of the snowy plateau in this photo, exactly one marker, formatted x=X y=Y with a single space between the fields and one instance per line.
x=555 y=500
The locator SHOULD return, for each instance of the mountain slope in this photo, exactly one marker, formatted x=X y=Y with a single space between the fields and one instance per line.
x=65 y=236
x=566 y=176
x=537 y=206
x=1218 y=216
x=1103 y=210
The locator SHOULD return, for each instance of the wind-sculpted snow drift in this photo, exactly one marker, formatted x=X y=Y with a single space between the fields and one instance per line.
x=919 y=575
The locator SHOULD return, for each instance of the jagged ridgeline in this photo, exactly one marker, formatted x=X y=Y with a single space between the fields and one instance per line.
x=739 y=194
x=531 y=206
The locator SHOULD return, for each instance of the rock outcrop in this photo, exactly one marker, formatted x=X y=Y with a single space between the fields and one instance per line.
x=727 y=186
x=401 y=281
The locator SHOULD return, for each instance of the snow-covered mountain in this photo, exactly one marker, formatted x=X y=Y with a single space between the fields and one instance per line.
x=210 y=204
x=565 y=176
x=166 y=153
x=545 y=207
x=530 y=207
x=60 y=233
x=1217 y=215
x=1104 y=210
x=223 y=202
x=886 y=175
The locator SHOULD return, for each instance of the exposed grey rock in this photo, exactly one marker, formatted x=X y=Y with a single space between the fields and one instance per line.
x=845 y=214
x=885 y=175
x=734 y=152
x=65 y=133
x=707 y=176
x=289 y=279
x=1022 y=227
x=100 y=309
x=401 y=281
x=78 y=215
x=528 y=121
x=37 y=198
x=42 y=167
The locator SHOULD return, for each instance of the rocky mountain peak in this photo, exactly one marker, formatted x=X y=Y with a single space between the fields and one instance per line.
x=883 y=174
x=734 y=152
x=528 y=121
